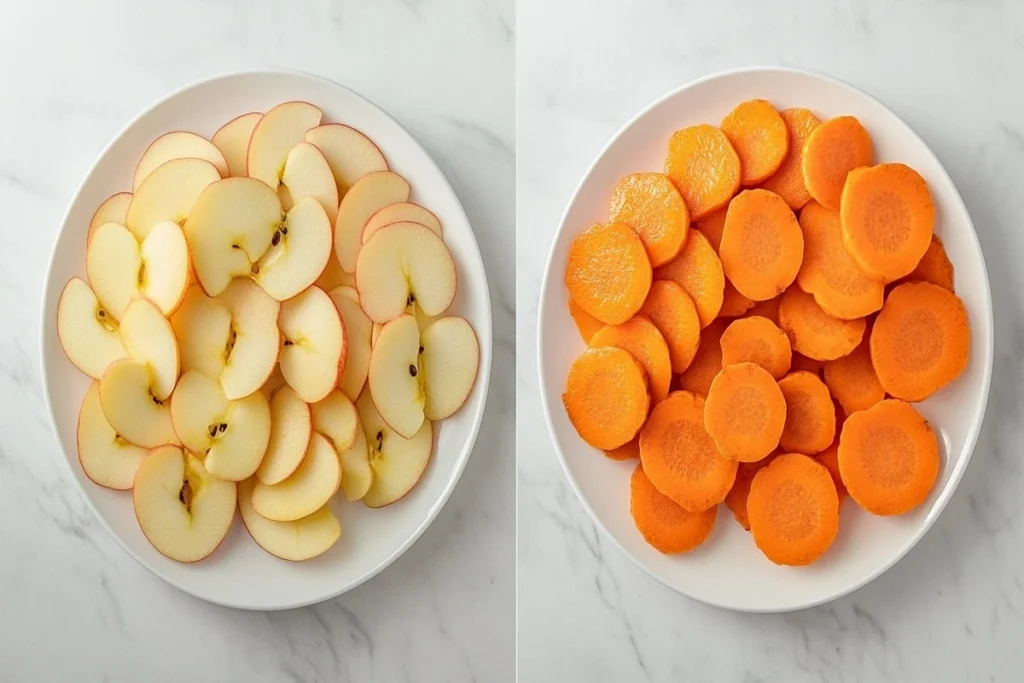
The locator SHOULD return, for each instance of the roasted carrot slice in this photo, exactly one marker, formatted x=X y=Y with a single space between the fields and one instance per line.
x=608 y=273
x=934 y=267
x=813 y=332
x=651 y=205
x=794 y=510
x=708 y=361
x=736 y=501
x=606 y=397
x=888 y=457
x=627 y=451
x=745 y=412
x=585 y=323
x=704 y=167
x=920 y=341
x=852 y=380
x=766 y=309
x=679 y=456
x=888 y=217
x=642 y=340
x=760 y=137
x=788 y=181
x=810 y=414
x=832 y=150
x=668 y=527
x=802 y=363
x=699 y=272
x=757 y=340
x=829 y=272
x=673 y=312
x=762 y=246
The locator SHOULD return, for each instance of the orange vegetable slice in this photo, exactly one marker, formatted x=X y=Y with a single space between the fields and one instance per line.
x=934 y=267
x=788 y=181
x=644 y=342
x=736 y=501
x=832 y=150
x=704 y=167
x=707 y=363
x=673 y=312
x=852 y=380
x=760 y=137
x=585 y=323
x=608 y=273
x=813 y=332
x=627 y=451
x=810 y=414
x=699 y=272
x=745 y=412
x=651 y=205
x=666 y=526
x=606 y=397
x=762 y=246
x=757 y=340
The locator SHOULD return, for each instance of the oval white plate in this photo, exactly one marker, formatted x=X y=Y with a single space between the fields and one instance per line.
x=728 y=570
x=240 y=574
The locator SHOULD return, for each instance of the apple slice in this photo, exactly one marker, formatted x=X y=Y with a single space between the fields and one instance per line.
x=401 y=264
x=306 y=174
x=232 y=139
x=183 y=510
x=335 y=417
x=230 y=436
x=357 y=475
x=298 y=251
x=131 y=407
x=106 y=458
x=358 y=330
x=314 y=348
x=178 y=145
x=230 y=228
x=397 y=463
x=114 y=209
x=168 y=194
x=303 y=493
x=402 y=212
x=275 y=135
x=394 y=377
x=350 y=154
x=302 y=539
x=290 y=431
x=273 y=383
x=370 y=194
x=203 y=329
x=448 y=365
x=149 y=338
x=333 y=276
x=88 y=333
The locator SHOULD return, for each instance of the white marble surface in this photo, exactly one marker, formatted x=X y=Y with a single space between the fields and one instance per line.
x=953 y=609
x=73 y=606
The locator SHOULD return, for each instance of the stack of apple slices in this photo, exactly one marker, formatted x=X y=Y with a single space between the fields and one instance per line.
x=262 y=319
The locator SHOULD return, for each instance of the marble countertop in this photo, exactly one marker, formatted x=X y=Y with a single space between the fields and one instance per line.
x=73 y=605
x=953 y=609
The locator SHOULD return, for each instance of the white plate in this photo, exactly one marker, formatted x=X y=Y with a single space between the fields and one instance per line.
x=728 y=570
x=240 y=574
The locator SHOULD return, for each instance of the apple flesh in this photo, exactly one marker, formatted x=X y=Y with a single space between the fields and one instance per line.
x=448 y=365
x=88 y=333
x=306 y=174
x=273 y=383
x=333 y=276
x=107 y=459
x=350 y=154
x=357 y=475
x=291 y=428
x=232 y=139
x=314 y=348
x=358 y=331
x=402 y=212
x=335 y=417
x=275 y=135
x=298 y=252
x=178 y=145
x=306 y=490
x=131 y=407
x=370 y=194
x=397 y=463
x=169 y=194
x=114 y=209
x=395 y=381
x=296 y=541
x=149 y=338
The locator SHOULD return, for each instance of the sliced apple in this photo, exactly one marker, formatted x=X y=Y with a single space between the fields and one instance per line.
x=107 y=459
x=273 y=383
x=370 y=194
x=149 y=338
x=402 y=212
x=377 y=327
x=448 y=365
x=335 y=417
x=275 y=135
x=88 y=333
x=306 y=490
x=178 y=145
x=306 y=174
x=232 y=139
x=291 y=428
x=114 y=209
x=350 y=154
x=168 y=194
x=394 y=376
x=397 y=463
x=302 y=539
x=203 y=329
x=298 y=251
x=230 y=436
x=314 y=349
x=402 y=264
x=183 y=510
x=358 y=331
x=132 y=409
x=333 y=276
x=356 y=473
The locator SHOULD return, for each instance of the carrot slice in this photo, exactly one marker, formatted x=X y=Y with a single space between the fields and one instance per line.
x=737 y=498
x=762 y=246
x=920 y=341
x=673 y=312
x=760 y=137
x=699 y=272
x=668 y=527
x=606 y=397
x=802 y=363
x=651 y=205
x=641 y=339
x=745 y=412
x=810 y=414
x=832 y=150
x=934 y=267
x=704 y=167
x=830 y=456
x=852 y=379
x=627 y=451
x=766 y=309
x=888 y=457
x=679 y=456
x=712 y=226
x=733 y=303
x=587 y=324
x=788 y=181
x=812 y=331
x=757 y=340
x=888 y=218
x=794 y=510
x=708 y=361
x=829 y=272
x=608 y=273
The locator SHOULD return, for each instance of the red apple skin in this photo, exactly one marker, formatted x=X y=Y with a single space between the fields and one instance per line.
x=260 y=123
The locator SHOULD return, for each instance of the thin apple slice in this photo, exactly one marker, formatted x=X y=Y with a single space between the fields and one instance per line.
x=168 y=194
x=114 y=209
x=333 y=276
x=203 y=329
x=394 y=378
x=356 y=473
x=358 y=330
x=89 y=334
x=314 y=349
x=397 y=463
x=296 y=541
x=132 y=409
x=184 y=512
x=178 y=145
x=401 y=264
x=291 y=428
x=273 y=383
x=106 y=458
x=303 y=493
x=306 y=174
x=335 y=417
x=149 y=338
x=298 y=253
x=402 y=212
x=370 y=194
x=350 y=154
x=448 y=365
x=275 y=135
x=232 y=139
